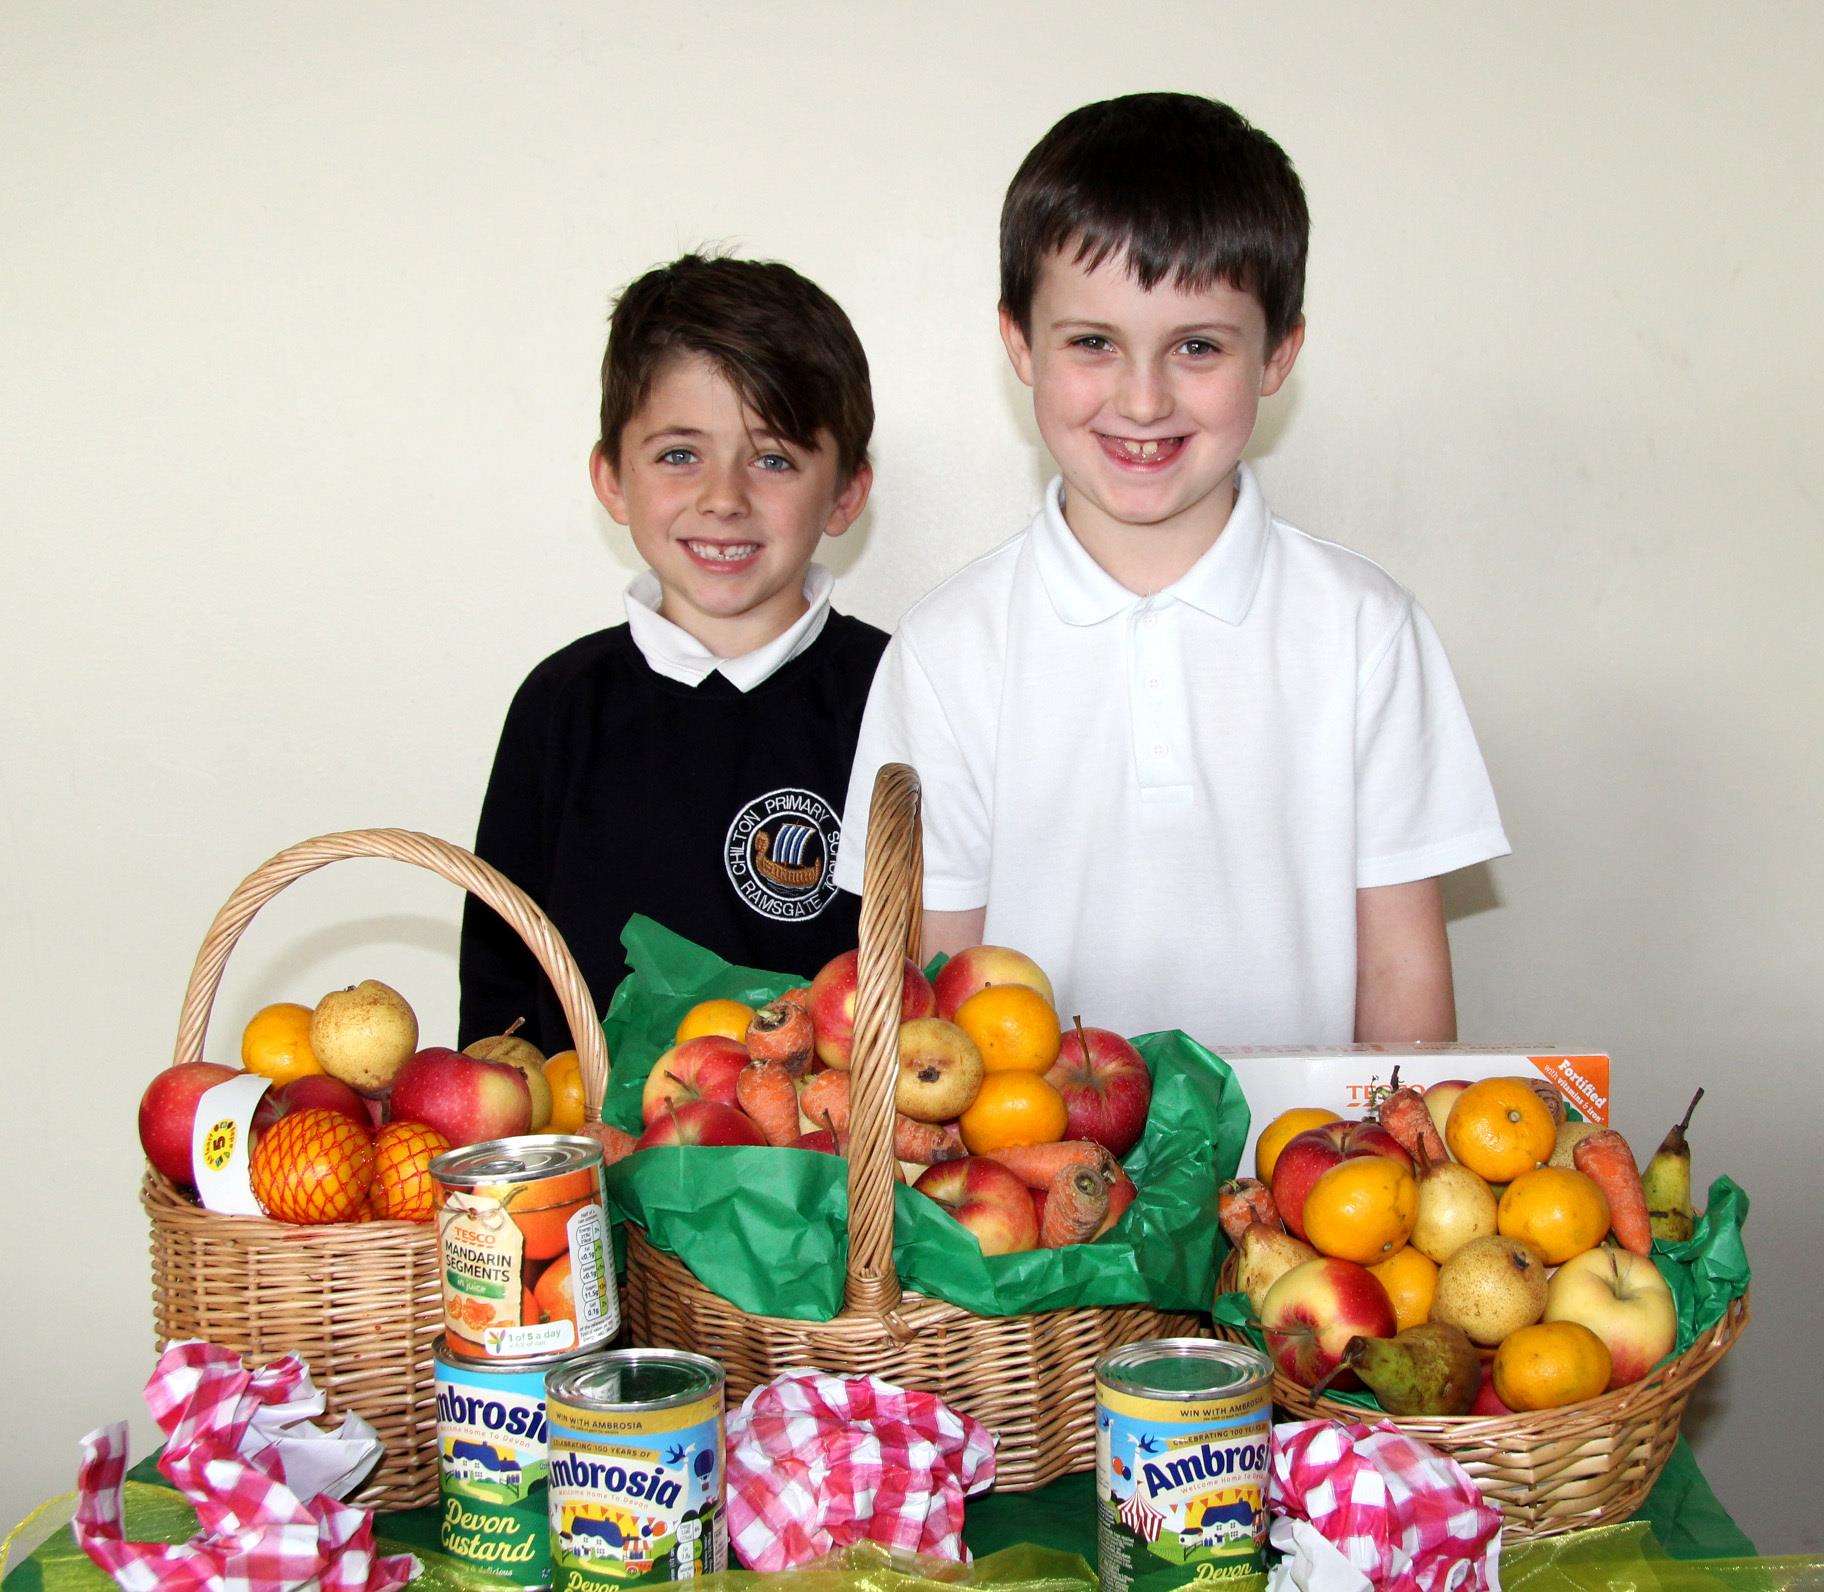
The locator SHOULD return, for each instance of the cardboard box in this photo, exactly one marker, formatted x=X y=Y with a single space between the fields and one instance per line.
x=1352 y=1079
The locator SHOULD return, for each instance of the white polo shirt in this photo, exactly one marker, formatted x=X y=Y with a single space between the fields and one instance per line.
x=1170 y=801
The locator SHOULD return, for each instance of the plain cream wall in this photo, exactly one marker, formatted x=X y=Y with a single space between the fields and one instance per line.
x=300 y=313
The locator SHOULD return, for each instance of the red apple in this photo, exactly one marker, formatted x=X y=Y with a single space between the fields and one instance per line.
x=1306 y=1157
x=1370 y=1138
x=1336 y=1132
x=698 y=1069
x=167 y=1114
x=1622 y=1298
x=463 y=1097
x=987 y=1199
x=1105 y=1085
x=701 y=1122
x=977 y=968
x=1312 y=1312
x=1488 y=1401
x=818 y=1139
x=317 y=1091
x=1440 y=1097
x=833 y=1004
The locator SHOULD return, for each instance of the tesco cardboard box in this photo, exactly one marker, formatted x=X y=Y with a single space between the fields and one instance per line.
x=1351 y=1080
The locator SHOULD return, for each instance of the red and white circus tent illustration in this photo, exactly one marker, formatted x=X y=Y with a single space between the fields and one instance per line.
x=1140 y=1517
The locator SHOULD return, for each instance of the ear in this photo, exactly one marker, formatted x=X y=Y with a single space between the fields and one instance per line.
x=1279 y=362
x=607 y=485
x=850 y=501
x=1019 y=350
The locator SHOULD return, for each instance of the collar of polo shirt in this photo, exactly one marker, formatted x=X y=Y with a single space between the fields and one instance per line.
x=676 y=654
x=1221 y=584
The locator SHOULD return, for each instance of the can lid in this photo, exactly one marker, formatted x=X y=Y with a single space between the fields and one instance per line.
x=530 y=1155
x=634 y=1379
x=1177 y=1367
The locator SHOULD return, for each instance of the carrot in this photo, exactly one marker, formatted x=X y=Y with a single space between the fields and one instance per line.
x=1242 y=1201
x=1121 y=1194
x=1036 y=1165
x=781 y=1032
x=1405 y=1115
x=764 y=1091
x=799 y=996
x=1075 y=1204
x=1604 y=1157
x=617 y=1143
x=825 y=1099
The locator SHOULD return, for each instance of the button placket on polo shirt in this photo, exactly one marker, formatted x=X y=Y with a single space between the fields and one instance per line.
x=1156 y=697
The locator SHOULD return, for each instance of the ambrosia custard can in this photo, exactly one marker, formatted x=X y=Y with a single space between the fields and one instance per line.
x=523 y=1241
x=635 y=1484
x=1181 y=1463
x=491 y=1456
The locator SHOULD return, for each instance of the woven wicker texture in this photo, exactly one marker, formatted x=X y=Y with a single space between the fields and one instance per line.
x=360 y=1302
x=1029 y=1379
x=1549 y=1471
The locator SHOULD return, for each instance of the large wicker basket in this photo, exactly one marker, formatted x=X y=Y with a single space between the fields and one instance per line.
x=1028 y=1379
x=360 y=1302
x=1548 y=1471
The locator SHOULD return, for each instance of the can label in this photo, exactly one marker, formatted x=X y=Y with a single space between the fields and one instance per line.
x=525 y=1267
x=1180 y=1487
x=636 y=1495
x=492 y=1463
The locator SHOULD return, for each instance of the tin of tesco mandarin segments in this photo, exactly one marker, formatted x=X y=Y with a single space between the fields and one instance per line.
x=491 y=1458
x=1181 y=1462
x=523 y=1248
x=635 y=1482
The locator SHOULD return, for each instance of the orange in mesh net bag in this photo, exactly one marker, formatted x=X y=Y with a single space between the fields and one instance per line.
x=403 y=1188
x=313 y=1166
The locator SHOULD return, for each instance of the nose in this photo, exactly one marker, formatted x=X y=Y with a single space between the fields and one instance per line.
x=723 y=495
x=1143 y=395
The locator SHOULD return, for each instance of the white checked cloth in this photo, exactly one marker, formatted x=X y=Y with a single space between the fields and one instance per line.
x=256 y=1534
x=1407 y=1517
x=818 y=1462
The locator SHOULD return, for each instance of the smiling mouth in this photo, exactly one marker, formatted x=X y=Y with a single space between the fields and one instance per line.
x=722 y=555
x=1141 y=453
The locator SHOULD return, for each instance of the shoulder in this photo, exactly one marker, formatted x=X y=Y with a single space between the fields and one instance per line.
x=603 y=655
x=852 y=639
x=972 y=604
x=1327 y=586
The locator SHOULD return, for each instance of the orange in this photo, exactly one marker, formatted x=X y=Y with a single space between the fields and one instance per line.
x=1410 y=1279
x=276 y=1043
x=1282 y=1129
x=564 y=1072
x=547 y=1231
x=725 y=1017
x=1500 y=1128
x=313 y=1166
x=1558 y=1211
x=1550 y=1363
x=1362 y=1209
x=552 y=1291
x=1013 y=1027
x=402 y=1189
x=1013 y=1108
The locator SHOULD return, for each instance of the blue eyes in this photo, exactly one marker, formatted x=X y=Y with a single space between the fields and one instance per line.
x=1195 y=347
x=677 y=456
x=772 y=463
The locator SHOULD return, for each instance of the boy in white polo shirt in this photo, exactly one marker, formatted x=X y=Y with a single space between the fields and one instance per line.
x=1205 y=768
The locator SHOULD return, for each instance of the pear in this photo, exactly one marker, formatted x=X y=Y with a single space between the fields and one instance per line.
x=1491 y=1287
x=1431 y=1369
x=1570 y=1134
x=1265 y=1255
x=528 y=1058
x=1455 y=1208
x=1667 y=1183
x=364 y=1034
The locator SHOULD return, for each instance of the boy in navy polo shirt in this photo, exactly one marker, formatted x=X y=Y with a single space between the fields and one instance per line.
x=690 y=763
x=1206 y=769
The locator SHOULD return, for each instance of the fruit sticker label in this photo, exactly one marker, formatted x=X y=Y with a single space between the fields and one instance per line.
x=1180 y=1489
x=636 y=1498
x=221 y=1145
x=492 y=1459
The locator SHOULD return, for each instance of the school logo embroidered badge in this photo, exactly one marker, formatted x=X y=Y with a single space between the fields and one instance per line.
x=780 y=854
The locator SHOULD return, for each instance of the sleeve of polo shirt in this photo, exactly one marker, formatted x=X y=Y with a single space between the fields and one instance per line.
x=1424 y=805
x=905 y=722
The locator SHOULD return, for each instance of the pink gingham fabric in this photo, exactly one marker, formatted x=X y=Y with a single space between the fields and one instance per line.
x=1406 y=1516
x=818 y=1462
x=255 y=1534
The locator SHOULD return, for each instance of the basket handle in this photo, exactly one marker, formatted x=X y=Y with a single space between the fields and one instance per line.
x=892 y=914
x=463 y=869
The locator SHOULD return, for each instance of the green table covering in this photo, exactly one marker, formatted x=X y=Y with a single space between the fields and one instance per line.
x=1682 y=1513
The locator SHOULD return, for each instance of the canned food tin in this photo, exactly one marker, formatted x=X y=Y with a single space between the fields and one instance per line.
x=635 y=1487
x=523 y=1248
x=1181 y=1463
x=491 y=1457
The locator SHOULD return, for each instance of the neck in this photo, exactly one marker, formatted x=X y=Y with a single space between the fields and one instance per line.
x=1148 y=558
x=736 y=635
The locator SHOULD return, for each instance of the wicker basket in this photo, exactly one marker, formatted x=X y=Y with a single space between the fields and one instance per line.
x=1549 y=1471
x=1028 y=1379
x=360 y=1302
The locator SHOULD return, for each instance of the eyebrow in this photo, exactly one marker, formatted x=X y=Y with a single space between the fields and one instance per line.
x=697 y=431
x=1189 y=329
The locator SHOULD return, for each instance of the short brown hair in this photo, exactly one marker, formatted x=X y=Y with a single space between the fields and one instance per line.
x=1179 y=185
x=782 y=342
